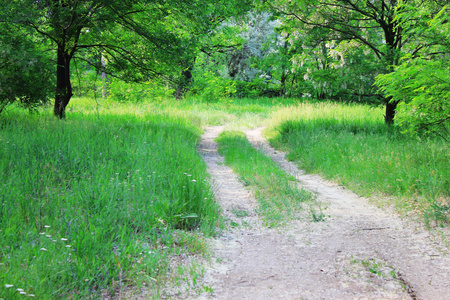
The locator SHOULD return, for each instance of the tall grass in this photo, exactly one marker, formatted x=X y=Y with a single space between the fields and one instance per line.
x=237 y=113
x=88 y=204
x=351 y=145
x=278 y=196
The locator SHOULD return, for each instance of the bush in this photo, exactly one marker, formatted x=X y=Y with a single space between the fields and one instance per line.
x=26 y=75
x=121 y=91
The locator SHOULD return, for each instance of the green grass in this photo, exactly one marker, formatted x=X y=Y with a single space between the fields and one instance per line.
x=90 y=204
x=351 y=145
x=279 y=198
x=106 y=198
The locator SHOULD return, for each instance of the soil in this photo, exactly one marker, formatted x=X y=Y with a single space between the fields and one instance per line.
x=352 y=250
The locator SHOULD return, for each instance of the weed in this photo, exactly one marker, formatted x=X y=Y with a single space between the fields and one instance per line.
x=317 y=216
x=240 y=213
x=234 y=224
x=438 y=213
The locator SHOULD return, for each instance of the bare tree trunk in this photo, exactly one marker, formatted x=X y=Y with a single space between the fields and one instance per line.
x=63 y=84
x=186 y=78
x=390 y=111
x=105 y=79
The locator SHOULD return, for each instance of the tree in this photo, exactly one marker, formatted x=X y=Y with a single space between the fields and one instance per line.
x=208 y=35
x=374 y=24
x=420 y=84
x=140 y=39
x=25 y=69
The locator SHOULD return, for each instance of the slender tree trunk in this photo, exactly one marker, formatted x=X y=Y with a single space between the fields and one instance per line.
x=105 y=79
x=283 y=82
x=284 y=72
x=63 y=84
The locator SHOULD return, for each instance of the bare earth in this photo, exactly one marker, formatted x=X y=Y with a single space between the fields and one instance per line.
x=358 y=252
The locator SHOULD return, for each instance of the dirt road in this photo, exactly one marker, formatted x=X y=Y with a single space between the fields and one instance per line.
x=354 y=251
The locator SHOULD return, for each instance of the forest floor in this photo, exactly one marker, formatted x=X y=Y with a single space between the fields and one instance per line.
x=352 y=250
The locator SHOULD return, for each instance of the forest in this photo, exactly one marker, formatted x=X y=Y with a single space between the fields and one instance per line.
x=104 y=103
x=390 y=53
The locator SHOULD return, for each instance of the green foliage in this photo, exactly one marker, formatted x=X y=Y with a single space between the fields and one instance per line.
x=25 y=70
x=120 y=91
x=253 y=89
x=90 y=204
x=139 y=40
x=420 y=84
x=422 y=88
x=213 y=88
x=278 y=197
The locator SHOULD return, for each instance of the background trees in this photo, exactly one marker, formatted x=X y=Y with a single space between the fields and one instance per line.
x=25 y=68
x=139 y=39
x=372 y=24
x=304 y=48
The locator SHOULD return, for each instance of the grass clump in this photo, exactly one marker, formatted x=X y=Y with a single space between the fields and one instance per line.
x=351 y=145
x=89 y=205
x=279 y=198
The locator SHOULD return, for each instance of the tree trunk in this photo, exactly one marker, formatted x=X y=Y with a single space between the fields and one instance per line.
x=105 y=79
x=390 y=111
x=284 y=72
x=186 y=78
x=63 y=84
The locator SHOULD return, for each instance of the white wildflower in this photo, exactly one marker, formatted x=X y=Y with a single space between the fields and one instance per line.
x=9 y=286
x=43 y=249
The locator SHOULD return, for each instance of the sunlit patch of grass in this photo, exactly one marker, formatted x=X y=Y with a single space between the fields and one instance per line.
x=279 y=198
x=89 y=204
x=351 y=145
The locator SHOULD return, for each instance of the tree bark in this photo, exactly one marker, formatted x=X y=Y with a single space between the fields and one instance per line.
x=186 y=78
x=390 y=111
x=63 y=84
x=105 y=79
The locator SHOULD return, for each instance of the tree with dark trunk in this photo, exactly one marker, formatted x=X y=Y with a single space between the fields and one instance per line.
x=63 y=84
x=375 y=24
x=140 y=39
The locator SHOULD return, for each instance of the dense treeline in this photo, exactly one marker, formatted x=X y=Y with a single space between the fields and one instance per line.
x=389 y=52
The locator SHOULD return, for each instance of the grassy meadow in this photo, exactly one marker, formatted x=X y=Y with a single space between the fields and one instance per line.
x=98 y=201
x=350 y=144
x=106 y=198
